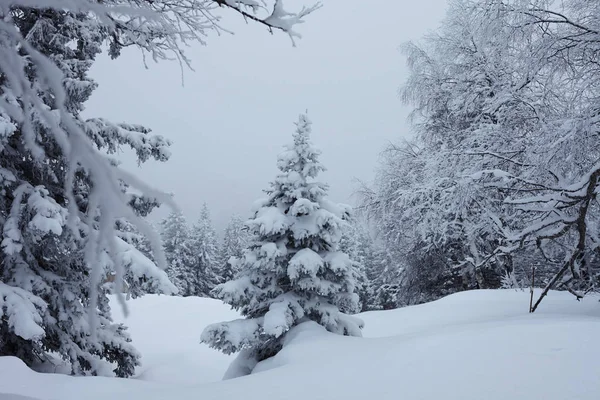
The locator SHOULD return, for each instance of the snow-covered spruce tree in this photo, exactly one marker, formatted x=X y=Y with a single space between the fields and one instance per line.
x=235 y=239
x=177 y=245
x=62 y=197
x=294 y=272
x=204 y=247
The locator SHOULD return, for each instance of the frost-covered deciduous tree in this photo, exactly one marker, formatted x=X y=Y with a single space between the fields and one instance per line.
x=204 y=247
x=62 y=192
x=471 y=104
x=551 y=190
x=556 y=195
x=434 y=201
x=236 y=238
x=500 y=175
x=294 y=271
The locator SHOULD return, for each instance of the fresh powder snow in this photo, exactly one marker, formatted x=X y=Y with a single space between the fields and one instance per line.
x=472 y=345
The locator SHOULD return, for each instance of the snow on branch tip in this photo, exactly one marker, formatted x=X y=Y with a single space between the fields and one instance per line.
x=278 y=18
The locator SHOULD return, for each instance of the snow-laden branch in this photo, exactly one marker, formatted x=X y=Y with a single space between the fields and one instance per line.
x=557 y=222
x=279 y=18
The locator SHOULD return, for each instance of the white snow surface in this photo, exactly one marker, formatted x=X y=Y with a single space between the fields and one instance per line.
x=166 y=331
x=472 y=345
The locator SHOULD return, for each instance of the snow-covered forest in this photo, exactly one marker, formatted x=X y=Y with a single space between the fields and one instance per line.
x=475 y=240
x=498 y=185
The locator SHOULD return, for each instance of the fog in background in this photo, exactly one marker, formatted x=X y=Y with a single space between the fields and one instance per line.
x=234 y=113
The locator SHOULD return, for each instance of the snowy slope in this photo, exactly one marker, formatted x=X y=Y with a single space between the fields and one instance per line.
x=475 y=345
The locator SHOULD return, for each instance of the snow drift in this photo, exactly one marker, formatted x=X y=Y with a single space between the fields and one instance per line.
x=471 y=345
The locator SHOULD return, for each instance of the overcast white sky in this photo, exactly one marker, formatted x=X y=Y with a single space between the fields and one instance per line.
x=236 y=111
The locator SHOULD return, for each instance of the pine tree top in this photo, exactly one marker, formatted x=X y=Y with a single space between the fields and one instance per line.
x=299 y=165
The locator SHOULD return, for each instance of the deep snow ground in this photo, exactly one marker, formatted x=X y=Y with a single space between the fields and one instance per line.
x=166 y=330
x=475 y=345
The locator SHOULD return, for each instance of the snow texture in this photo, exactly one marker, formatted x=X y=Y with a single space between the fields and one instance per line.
x=468 y=346
x=22 y=311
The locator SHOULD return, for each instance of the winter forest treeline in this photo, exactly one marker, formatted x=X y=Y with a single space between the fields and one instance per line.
x=495 y=187
x=199 y=259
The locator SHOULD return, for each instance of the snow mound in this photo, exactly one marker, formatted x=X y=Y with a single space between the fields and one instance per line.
x=473 y=345
x=475 y=307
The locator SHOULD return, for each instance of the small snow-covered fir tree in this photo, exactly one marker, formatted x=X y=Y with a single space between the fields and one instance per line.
x=294 y=272
x=235 y=239
x=204 y=247
x=179 y=254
